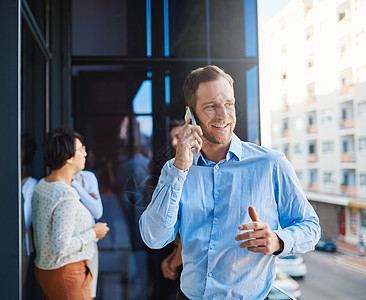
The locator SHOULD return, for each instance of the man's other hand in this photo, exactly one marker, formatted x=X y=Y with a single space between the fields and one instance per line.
x=258 y=236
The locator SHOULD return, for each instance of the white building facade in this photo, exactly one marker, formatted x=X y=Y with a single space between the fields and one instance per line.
x=314 y=53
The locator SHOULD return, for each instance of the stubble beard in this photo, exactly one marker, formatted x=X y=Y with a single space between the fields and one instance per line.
x=212 y=139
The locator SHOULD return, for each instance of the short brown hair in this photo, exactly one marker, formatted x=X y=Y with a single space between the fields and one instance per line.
x=197 y=76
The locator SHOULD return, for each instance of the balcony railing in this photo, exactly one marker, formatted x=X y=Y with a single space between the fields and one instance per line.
x=312 y=157
x=347 y=123
x=310 y=100
x=347 y=190
x=347 y=157
x=314 y=187
x=285 y=133
x=312 y=129
x=346 y=90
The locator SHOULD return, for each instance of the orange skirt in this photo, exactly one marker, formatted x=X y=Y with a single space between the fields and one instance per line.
x=70 y=282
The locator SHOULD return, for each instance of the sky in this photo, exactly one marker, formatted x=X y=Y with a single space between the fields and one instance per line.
x=266 y=10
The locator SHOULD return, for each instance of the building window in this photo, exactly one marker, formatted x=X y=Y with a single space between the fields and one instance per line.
x=285 y=100
x=362 y=144
x=310 y=62
x=329 y=178
x=284 y=75
x=299 y=175
x=341 y=15
x=311 y=120
x=282 y=24
x=309 y=32
x=328 y=146
x=343 y=11
x=275 y=128
x=327 y=115
x=298 y=148
x=283 y=50
x=298 y=123
x=312 y=149
x=310 y=93
x=362 y=109
x=313 y=177
x=363 y=180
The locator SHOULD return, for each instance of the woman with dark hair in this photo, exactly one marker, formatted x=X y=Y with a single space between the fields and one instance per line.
x=64 y=235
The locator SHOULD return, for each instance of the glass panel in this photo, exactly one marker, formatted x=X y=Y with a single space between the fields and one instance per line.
x=38 y=9
x=119 y=144
x=33 y=98
x=148 y=29
x=115 y=27
x=142 y=103
x=145 y=125
x=252 y=105
x=33 y=79
x=250 y=19
x=166 y=28
x=167 y=89
x=227 y=41
x=187 y=24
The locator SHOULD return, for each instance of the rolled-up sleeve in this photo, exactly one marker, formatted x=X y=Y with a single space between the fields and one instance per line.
x=159 y=223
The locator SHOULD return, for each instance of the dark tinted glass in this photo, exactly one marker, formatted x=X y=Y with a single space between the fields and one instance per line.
x=38 y=11
x=115 y=27
x=227 y=29
x=187 y=25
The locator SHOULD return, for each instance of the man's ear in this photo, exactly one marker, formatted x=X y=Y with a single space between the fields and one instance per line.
x=70 y=160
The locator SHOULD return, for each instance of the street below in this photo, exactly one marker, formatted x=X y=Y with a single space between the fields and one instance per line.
x=333 y=276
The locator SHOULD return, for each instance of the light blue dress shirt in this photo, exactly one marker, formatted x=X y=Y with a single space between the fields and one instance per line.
x=208 y=203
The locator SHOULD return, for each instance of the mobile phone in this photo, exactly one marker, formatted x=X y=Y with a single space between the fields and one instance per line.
x=189 y=115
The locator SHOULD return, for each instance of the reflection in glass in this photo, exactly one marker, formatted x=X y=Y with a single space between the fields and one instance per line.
x=148 y=28
x=166 y=28
x=227 y=41
x=187 y=28
x=142 y=103
x=252 y=105
x=167 y=89
x=250 y=27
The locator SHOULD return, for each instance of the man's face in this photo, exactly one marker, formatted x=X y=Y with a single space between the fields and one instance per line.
x=174 y=136
x=215 y=111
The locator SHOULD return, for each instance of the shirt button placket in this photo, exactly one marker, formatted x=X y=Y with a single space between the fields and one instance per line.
x=211 y=246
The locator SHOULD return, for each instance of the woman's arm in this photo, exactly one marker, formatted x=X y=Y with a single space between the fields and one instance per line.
x=90 y=196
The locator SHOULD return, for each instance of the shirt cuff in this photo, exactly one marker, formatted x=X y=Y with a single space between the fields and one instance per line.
x=88 y=236
x=287 y=243
x=176 y=177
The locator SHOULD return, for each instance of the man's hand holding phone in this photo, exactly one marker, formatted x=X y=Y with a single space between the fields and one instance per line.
x=189 y=137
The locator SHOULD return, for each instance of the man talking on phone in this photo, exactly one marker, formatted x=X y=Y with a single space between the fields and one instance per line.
x=237 y=205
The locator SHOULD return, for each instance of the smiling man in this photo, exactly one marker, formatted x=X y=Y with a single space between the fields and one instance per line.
x=236 y=205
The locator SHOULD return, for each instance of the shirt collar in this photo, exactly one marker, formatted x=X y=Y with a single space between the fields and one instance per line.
x=234 y=153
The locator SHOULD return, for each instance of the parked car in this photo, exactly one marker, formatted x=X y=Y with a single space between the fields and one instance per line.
x=292 y=265
x=287 y=284
x=326 y=244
